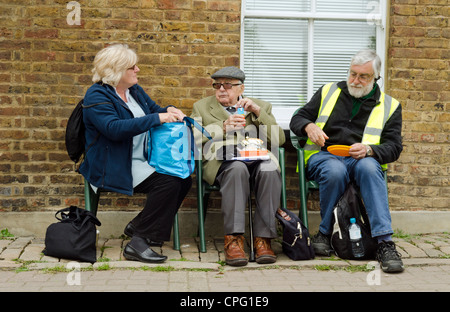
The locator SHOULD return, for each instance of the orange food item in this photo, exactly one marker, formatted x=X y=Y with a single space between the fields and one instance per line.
x=253 y=153
x=339 y=150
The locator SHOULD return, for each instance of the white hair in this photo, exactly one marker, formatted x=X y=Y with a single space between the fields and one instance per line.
x=111 y=63
x=368 y=55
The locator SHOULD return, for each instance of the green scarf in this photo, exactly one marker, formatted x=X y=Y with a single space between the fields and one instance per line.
x=357 y=102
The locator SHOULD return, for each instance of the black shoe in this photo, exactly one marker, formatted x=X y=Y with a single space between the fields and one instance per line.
x=388 y=257
x=321 y=244
x=148 y=255
x=129 y=231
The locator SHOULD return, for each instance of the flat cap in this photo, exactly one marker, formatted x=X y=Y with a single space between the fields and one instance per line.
x=229 y=72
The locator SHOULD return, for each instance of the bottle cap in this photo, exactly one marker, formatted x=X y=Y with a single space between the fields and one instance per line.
x=352 y=220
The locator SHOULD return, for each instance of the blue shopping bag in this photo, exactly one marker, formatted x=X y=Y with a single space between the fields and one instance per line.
x=171 y=147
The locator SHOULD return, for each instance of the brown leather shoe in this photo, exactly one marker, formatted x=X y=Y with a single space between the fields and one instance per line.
x=264 y=252
x=234 y=250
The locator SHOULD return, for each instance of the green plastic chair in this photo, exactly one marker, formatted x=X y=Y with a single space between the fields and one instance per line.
x=91 y=204
x=305 y=185
x=204 y=190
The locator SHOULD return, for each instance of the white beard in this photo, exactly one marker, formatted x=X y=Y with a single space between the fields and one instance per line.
x=358 y=90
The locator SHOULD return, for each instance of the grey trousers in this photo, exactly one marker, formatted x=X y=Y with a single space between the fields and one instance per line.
x=233 y=178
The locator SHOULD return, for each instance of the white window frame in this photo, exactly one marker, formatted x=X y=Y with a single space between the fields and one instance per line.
x=284 y=114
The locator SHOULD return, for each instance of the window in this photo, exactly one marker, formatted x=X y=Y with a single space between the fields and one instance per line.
x=290 y=48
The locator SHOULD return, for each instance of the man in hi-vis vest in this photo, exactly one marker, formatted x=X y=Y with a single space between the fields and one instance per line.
x=358 y=114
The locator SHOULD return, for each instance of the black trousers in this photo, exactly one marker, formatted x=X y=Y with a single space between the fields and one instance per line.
x=165 y=194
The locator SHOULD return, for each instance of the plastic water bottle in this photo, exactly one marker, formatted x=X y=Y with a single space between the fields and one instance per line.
x=355 y=238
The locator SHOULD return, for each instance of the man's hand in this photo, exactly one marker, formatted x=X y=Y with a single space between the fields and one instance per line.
x=358 y=150
x=234 y=122
x=249 y=106
x=315 y=134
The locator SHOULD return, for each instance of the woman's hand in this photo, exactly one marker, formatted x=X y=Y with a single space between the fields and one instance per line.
x=173 y=114
x=180 y=115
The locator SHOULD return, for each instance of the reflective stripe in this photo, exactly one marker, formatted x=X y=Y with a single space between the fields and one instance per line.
x=372 y=131
x=378 y=117
x=330 y=94
x=322 y=119
x=329 y=90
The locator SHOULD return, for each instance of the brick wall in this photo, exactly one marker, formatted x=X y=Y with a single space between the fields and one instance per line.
x=45 y=69
x=418 y=75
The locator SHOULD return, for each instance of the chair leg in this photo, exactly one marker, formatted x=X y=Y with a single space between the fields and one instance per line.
x=90 y=198
x=201 y=221
x=250 y=227
x=283 y=177
x=200 y=213
x=303 y=213
x=304 y=208
x=201 y=230
x=176 y=233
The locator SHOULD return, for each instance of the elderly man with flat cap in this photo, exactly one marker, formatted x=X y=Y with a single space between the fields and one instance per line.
x=229 y=117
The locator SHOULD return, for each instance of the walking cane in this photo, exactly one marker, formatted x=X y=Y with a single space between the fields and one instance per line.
x=250 y=225
x=250 y=218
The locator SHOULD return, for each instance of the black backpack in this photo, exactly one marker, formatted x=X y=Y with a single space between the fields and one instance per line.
x=350 y=206
x=75 y=139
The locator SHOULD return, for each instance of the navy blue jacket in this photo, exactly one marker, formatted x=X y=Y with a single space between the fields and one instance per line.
x=110 y=127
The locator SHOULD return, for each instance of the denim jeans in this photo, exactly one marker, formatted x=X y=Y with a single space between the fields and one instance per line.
x=333 y=173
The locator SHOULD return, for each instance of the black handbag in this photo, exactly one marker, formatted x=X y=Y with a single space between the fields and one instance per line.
x=350 y=205
x=296 y=241
x=74 y=236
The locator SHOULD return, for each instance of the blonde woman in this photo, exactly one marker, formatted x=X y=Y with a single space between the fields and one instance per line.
x=117 y=113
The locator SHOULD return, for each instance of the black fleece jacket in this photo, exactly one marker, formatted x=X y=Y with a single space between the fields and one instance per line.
x=342 y=129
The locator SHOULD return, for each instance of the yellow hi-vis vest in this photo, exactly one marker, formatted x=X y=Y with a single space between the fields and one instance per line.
x=372 y=133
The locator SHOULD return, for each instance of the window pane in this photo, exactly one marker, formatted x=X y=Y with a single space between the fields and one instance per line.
x=275 y=60
x=275 y=51
x=348 y=6
x=278 y=5
x=335 y=42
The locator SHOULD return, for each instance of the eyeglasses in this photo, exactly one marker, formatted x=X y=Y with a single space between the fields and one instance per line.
x=361 y=77
x=132 y=67
x=226 y=85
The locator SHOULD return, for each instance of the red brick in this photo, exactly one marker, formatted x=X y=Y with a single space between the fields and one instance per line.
x=42 y=33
